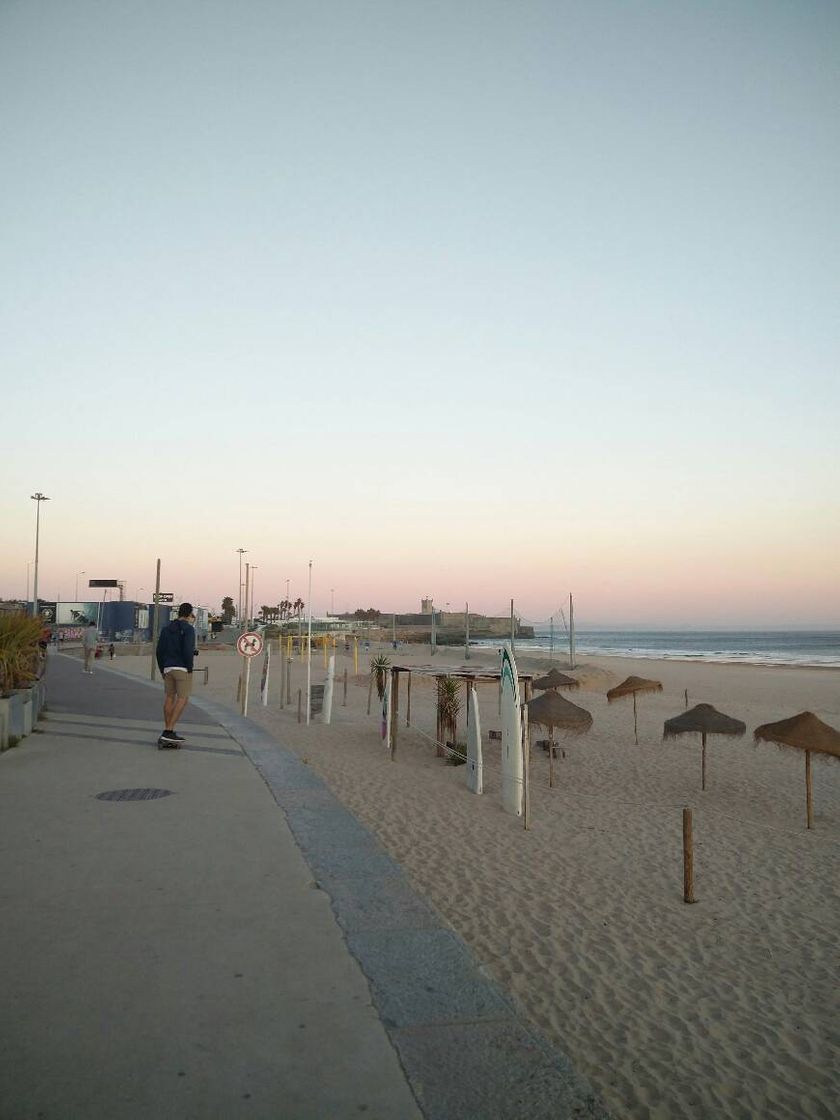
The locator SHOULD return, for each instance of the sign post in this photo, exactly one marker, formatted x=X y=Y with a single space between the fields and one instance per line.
x=249 y=645
x=155 y=619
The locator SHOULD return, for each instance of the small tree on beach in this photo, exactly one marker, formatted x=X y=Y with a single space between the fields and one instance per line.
x=227 y=610
x=449 y=705
x=379 y=666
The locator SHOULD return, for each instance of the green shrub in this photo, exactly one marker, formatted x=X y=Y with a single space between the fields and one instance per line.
x=20 y=654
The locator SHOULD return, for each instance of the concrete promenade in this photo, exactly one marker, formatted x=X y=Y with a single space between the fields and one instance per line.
x=225 y=939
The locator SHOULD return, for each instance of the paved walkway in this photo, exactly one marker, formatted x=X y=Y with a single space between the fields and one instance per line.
x=197 y=952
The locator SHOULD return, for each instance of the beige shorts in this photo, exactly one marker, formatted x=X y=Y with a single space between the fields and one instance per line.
x=178 y=683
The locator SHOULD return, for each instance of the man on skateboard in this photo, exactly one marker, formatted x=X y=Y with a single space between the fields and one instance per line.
x=175 y=655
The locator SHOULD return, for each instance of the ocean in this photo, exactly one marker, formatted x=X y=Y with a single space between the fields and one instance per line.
x=750 y=647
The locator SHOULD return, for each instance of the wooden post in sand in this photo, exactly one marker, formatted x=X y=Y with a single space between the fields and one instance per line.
x=688 y=858
x=289 y=679
x=440 y=751
x=809 y=792
x=703 y=763
x=370 y=691
x=686 y=698
x=344 y=705
x=408 y=702
x=299 y=704
x=526 y=768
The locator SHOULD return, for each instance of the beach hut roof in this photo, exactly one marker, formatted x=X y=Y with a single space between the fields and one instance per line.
x=553 y=710
x=705 y=720
x=631 y=686
x=805 y=732
x=556 y=679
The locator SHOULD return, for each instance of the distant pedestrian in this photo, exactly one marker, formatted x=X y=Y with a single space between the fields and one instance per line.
x=111 y=651
x=89 y=640
x=175 y=655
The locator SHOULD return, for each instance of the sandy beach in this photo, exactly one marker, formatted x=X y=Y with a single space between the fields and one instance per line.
x=727 y=1008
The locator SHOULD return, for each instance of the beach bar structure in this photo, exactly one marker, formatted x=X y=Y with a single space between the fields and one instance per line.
x=471 y=677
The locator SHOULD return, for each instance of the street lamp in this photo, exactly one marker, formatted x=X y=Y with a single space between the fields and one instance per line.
x=37 y=497
x=332 y=600
x=241 y=552
x=77 y=584
x=253 y=569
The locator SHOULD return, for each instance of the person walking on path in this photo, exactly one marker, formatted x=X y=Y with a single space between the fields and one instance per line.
x=175 y=655
x=89 y=641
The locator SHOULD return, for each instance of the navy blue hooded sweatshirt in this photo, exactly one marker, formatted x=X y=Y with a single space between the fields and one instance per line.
x=176 y=646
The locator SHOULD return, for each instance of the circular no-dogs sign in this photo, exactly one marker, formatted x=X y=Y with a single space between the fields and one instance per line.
x=249 y=645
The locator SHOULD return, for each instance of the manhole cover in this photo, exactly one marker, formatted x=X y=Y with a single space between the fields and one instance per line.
x=132 y=794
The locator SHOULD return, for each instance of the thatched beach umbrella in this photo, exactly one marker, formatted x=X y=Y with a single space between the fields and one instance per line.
x=704 y=720
x=629 y=688
x=805 y=732
x=556 y=679
x=552 y=710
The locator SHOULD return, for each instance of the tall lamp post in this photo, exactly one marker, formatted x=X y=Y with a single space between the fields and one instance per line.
x=37 y=497
x=241 y=552
x=77 y=584
x=251 y=612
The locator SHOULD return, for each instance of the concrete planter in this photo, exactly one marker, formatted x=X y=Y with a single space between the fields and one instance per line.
x=19 y=712
x=13 y=717
x=5 y=722
x=28 y=709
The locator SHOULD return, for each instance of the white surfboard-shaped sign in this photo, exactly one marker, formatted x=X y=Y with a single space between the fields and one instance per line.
x=511 y=737
x=475 y=763
x=385 y=722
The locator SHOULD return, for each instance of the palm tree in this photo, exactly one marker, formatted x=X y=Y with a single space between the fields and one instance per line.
x=227 y=610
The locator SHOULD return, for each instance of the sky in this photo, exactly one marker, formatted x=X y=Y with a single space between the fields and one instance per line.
x=470 y=301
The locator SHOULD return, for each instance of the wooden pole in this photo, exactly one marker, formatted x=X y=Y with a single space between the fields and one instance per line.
x=300 y=694
x=344 y=705
x=370 y=690
x=395 y=710
x=289 y=678
x=355 y=655
x=571 y=632
x=550 y=757
x=467 y=633
x=439 y=750
x=686 y=697
x=688 y=858
x=408 y=702
x=703 y=780
x=635 y=721
x=809 y=796
x=526 y=769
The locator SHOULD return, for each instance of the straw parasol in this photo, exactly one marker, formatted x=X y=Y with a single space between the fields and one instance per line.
x=552 y=710
x=556 y=679
x=629 y=688
x=705 y=720
x=805 y=732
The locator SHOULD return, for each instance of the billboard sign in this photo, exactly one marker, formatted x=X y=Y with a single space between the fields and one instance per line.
x=76 y=614
x=46 y=611
x=103 y=583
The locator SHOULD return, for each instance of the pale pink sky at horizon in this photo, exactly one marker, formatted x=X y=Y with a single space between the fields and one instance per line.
x=637 y=572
